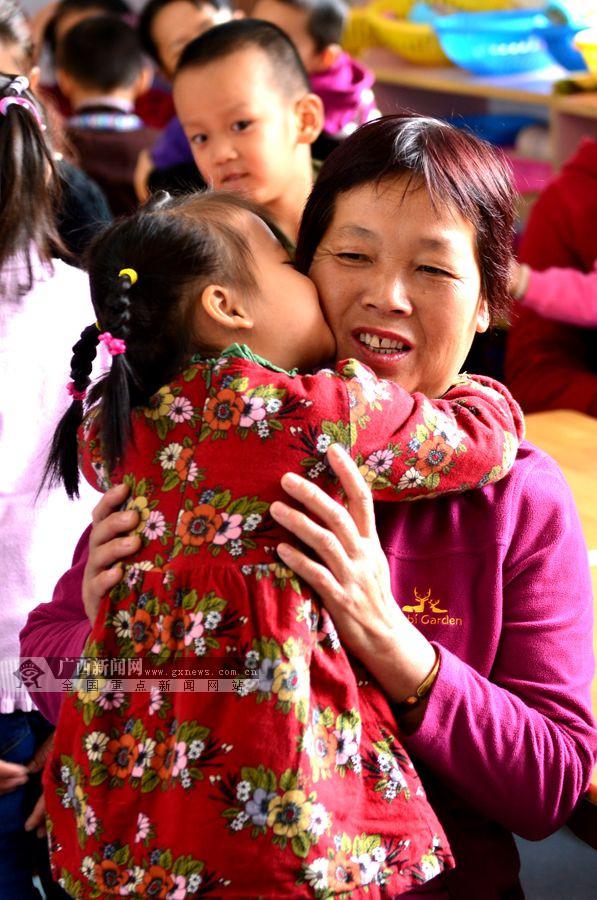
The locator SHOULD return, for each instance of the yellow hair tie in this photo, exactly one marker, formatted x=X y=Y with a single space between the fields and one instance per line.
x=133 y=277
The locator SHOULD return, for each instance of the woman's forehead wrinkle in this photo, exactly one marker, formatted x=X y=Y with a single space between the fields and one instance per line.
x=351 y=229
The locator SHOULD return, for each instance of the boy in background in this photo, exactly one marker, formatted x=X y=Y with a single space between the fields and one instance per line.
x=165 y=28
x=345 y=86
x=100 y=68
x=243 y=98
x=52 y=23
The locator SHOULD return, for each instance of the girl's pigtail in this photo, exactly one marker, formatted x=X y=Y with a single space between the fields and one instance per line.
x=117 y=388
x=62 y=465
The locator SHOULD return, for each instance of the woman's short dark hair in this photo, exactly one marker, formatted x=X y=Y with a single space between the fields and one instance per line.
x=458 y=169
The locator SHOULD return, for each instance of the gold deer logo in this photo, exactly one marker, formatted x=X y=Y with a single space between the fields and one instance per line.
x=423 y=601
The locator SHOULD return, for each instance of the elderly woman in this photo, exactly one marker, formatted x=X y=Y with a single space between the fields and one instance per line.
x=478 y=625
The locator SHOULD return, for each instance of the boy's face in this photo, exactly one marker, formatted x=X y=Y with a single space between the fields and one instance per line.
x=293 y=22
x=179 y=23
x=243 y=129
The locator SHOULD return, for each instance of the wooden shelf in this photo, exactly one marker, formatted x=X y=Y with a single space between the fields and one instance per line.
x=451 y=91
x=532 y=87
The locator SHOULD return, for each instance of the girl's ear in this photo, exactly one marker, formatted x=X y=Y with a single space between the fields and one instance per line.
x=225 y=308
x=310 y=118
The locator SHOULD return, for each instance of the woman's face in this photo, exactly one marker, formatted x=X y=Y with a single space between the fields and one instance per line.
x=400 y=284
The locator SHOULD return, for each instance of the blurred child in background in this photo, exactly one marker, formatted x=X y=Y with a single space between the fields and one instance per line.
x=80 y=205
x=553 y=364
x=42 y=302
x=101 y=70
x=345 y=86
x=154 y=106
x=165 y=28
x=565 y=295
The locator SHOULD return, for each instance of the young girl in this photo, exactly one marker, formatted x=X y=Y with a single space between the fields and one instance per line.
x=41 y=300
x=294 y=784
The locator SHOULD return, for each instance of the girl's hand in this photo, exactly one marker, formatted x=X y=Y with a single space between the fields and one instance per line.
x=109 y=543
x=352 y=576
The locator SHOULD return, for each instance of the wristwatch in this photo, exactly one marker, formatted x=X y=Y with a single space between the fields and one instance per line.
x=404 y=706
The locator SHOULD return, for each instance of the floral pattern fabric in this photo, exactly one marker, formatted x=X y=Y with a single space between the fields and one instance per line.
x=293 y=784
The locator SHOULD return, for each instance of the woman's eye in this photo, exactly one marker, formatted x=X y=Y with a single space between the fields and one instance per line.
x=352 y=257
x=241 y=125
x=433 y=270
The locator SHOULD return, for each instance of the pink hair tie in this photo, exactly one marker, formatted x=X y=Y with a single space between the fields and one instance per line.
x=114 y=346
x=26 y=104
x=75 y=394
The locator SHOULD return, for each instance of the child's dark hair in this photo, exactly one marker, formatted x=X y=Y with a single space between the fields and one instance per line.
x=28 y=179
x=102 y=53
x=100 y=7
x=15 y=33
x=176 y=247
x=288 y=71
x=150 y=11
x=326 y=19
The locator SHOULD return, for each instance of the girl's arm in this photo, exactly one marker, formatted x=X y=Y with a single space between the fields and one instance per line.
x=409 y=446
x=565 y=295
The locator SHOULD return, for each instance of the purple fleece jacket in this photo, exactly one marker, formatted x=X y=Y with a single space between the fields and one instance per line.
x=498 y=579
x=346 y=90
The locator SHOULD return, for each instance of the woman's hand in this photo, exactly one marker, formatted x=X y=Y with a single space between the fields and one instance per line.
x=109 y=543
x=352 y=577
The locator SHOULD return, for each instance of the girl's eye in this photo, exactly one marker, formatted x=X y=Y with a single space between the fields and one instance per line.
x=241 y=125
x=199 y=139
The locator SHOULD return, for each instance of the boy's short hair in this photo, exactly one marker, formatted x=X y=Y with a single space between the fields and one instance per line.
x=223 y=40
x=101 y=53
x=326 y=19
x=150 y=11
x=103 y=7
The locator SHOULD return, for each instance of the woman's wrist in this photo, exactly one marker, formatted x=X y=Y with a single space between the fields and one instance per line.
x=402 y=660
x=410 y=702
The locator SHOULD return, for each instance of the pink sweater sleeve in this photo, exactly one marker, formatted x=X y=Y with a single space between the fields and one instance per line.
x=517 y=742
x=59 y=628
x=565 y=295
